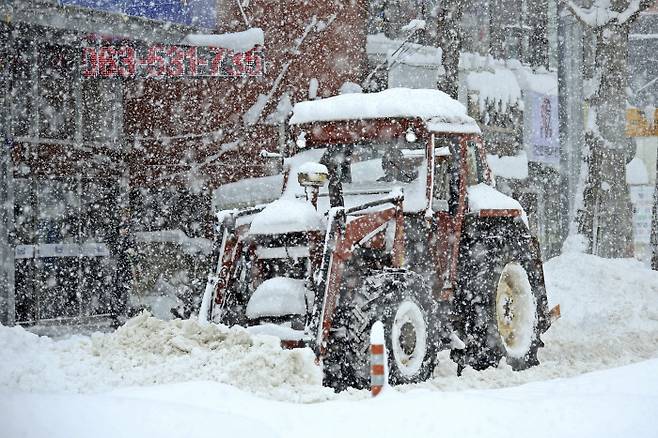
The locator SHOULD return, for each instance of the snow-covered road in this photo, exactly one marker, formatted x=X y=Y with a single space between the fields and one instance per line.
x=156 y=378
x=612 y=403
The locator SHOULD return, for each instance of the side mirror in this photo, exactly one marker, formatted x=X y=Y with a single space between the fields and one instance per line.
x=312 y=175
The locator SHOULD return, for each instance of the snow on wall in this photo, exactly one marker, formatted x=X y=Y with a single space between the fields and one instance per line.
x=423 y=56
x=380 y=46
x=236 y=41
x=542 y=82
x=636 y=172
x=426 y=104
x=510 y=167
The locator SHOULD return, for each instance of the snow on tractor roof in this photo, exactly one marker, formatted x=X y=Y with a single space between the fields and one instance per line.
x=437 y=109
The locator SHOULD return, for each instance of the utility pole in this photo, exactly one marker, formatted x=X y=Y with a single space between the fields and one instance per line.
x=654 y=225
x=538 y=38
x=570 y=103
x=7 y=253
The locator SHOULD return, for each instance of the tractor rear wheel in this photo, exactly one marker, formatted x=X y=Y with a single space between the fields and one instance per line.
x=503 y=298
x=402 y=301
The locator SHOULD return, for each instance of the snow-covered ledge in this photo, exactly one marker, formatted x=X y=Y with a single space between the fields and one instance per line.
x=236 y=41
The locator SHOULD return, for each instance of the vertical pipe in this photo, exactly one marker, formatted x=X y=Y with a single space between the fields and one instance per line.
x=570 y=104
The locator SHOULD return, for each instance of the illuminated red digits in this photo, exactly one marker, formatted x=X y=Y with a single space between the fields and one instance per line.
x=176 y=58
x=107 y=65
x=238 y=65
x=126 y=61
x=194 y=60
x=216 y=63
x=89 y=62
x=155 y=62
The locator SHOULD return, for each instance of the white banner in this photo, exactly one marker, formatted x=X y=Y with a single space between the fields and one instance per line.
x=542 y=134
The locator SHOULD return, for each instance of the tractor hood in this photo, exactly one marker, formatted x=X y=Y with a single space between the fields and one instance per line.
x=287 y=215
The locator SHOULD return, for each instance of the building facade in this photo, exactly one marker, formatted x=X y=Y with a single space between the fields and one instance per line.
x=109 y=180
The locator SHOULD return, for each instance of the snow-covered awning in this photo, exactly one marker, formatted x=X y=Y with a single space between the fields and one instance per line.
x=236 y=41
x=440 y=111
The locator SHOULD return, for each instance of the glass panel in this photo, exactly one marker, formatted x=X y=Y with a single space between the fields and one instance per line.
x=58 y=215
x=98 y=109
x=100 y=213
x=24 y=213
x=21 y=91
x=58 y=285
x=474 y=167
x=56 y=92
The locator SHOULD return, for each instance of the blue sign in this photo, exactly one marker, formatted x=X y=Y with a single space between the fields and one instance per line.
x=200 y=13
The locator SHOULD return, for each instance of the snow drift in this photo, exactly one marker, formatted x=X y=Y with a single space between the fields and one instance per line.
x=148 y=351
x=609 y=319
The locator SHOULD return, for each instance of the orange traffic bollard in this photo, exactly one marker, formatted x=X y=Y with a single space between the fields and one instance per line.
x=378 y=374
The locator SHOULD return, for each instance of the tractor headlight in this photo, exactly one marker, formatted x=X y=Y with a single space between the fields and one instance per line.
x=312 y=175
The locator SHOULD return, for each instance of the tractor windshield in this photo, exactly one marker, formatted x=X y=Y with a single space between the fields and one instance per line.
x=374 y=168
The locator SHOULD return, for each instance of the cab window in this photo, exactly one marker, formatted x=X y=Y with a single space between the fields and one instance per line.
x=474 y=167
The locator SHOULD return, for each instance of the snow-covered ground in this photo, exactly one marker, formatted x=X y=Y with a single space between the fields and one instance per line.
x=598 y=377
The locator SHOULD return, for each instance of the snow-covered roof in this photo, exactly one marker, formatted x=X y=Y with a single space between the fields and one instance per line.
x=236 y=41
x=434 y=106
x=498 y=86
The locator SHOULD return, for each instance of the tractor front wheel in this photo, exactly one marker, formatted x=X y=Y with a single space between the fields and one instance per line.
x=402 y=301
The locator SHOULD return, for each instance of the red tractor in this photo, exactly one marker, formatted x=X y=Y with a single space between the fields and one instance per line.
x=388 y=212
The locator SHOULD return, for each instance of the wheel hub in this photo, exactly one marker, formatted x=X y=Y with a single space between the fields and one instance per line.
x=516 y=316
x=409 y=338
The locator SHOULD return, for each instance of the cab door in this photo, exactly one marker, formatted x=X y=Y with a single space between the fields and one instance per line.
x=446 y=200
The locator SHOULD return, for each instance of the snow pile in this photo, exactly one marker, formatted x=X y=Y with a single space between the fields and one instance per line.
x=610 y=403
x=236 y=41
x=286 y=216
x=148 y=351
x=609 y=308
x=609 y=319
x=278 y=296
x=414 y=25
